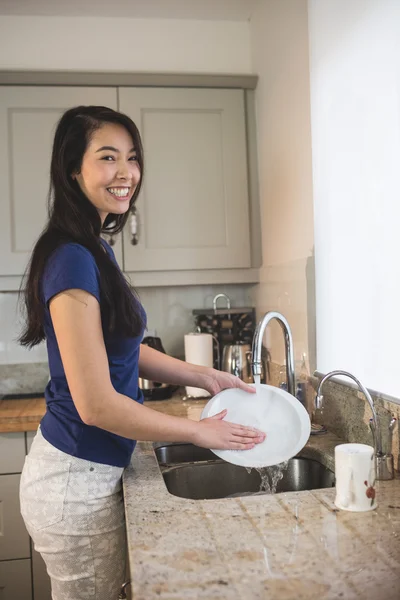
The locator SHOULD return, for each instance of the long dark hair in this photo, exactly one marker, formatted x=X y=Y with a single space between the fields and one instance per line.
x=73 y=218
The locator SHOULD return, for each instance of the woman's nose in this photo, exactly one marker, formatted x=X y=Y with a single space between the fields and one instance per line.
x=123 y=172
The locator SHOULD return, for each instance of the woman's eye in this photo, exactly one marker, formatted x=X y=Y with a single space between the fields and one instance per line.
x=133 y=158
x=107 y=157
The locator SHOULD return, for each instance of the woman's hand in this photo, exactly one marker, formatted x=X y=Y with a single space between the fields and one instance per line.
x=215 y=381
x=223 y=435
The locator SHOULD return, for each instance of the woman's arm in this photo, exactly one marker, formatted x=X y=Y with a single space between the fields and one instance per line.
x=77 y=323
x=158 y=366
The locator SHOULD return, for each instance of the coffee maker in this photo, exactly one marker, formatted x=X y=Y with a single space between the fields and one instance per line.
x=228 y=325
x=153 y=390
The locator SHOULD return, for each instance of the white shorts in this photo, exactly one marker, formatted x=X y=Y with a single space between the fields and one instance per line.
x=74 y=511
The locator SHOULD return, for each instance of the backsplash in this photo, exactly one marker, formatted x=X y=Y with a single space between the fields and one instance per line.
x=23 y=378
x=169 y=313
x=346 y=413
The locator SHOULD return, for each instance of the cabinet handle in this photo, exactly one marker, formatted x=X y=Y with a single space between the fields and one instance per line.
x=122 y=594
x=134 y=226
x=110 y=238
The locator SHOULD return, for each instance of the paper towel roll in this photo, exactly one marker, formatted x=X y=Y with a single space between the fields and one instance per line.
x=198 y=351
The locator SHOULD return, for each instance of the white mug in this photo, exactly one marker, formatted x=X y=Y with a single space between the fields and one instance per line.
x=355 y=477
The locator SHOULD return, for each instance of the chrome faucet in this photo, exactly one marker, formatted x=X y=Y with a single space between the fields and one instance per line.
x=257 y=348
x=384 y=462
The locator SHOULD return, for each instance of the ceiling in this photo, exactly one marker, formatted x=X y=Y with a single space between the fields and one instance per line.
x=209 y=10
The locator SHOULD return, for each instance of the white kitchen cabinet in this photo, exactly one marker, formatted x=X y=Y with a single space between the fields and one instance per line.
x=12 y=452
x=15 y=543
x=41 y=580
x=14 y=539
x=28 y=117
x=193 y=210
x=15 y=580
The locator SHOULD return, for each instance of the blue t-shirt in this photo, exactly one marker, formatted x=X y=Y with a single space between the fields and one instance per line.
x=73 y=266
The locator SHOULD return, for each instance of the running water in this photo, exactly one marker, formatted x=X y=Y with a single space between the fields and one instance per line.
x=271 y=476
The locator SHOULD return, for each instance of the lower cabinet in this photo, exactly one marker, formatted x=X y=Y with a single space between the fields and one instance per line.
x=21 y=567
x=14 y=539
x=16 y=580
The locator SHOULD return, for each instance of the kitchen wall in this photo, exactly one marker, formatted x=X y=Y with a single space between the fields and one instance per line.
x=274 y=44
x=169 y=314
x=119 y=44
x=140 y=45
x=279 y=50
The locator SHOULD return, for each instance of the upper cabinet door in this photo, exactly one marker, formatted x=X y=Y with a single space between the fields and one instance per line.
x=28 y=117
x=193 y=208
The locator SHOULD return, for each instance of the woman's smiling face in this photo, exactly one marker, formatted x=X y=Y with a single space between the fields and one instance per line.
x=109 y=173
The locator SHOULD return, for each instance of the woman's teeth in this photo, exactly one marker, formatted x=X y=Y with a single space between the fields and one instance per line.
x=119 y=192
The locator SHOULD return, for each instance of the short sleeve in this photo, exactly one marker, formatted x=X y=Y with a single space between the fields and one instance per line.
x=71 y=266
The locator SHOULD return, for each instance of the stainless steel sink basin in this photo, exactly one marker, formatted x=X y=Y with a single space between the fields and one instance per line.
x=183 y=453
x=206 y=478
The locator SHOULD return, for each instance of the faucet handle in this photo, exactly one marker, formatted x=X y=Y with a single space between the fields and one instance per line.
x=319 y=399
x=391 y=426
x=385 y=461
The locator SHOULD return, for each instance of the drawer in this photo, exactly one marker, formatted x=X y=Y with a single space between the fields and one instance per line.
x=15 y=580
x=12 y=452
x=14 y=539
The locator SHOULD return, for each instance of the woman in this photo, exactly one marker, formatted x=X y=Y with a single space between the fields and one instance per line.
x=79 y=302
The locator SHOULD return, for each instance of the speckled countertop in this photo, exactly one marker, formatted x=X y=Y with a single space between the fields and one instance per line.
x=290 y=546
x=287 y=546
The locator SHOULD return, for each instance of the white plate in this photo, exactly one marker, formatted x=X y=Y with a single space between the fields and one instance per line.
x=274 y=411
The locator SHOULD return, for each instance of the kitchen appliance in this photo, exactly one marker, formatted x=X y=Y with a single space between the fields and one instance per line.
x=153 y=390
x=236 y=359
x=228 y=325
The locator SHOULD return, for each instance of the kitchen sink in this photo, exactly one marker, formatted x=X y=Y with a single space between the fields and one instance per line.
x=198 y=474
x=183 y=453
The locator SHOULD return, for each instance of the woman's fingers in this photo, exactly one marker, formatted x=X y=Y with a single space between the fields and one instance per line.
x=250 y=433
x=239 y=446
x=219 y=415
x=243 y=431
x=246 y=440
x=244 y=386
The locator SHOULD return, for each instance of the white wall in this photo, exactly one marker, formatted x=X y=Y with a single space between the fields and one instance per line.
x=148 y=45
x=140 y=45
x=355 y=99
x=279 y=37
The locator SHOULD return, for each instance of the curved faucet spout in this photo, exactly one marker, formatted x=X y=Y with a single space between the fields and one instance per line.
x=377 y=430
x=257 y=348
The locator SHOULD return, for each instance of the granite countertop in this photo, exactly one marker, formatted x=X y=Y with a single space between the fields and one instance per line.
x=289 y=546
